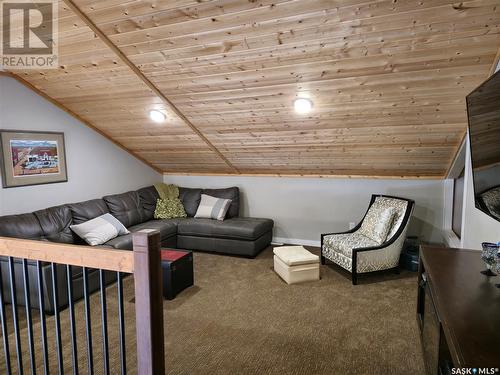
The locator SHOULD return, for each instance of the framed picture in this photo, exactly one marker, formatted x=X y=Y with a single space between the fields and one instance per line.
x=32 y=158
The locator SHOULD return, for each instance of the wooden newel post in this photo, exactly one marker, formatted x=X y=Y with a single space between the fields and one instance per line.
x=148 y=303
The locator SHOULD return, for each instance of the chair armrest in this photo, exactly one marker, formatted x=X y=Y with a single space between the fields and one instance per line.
x=346 y=232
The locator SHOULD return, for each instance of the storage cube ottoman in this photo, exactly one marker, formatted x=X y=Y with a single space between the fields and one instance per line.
x=177 y=268
x=294 y=264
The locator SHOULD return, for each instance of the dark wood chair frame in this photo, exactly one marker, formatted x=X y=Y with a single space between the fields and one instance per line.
x=406 y=218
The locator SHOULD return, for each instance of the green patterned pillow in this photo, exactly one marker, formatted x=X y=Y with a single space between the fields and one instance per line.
x=169 y=208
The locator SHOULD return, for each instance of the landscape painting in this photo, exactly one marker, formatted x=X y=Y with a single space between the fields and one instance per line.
x=32 y=158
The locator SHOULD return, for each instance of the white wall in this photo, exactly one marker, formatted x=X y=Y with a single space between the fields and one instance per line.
x=477 y=227
x=96 y=166
x=303 y=208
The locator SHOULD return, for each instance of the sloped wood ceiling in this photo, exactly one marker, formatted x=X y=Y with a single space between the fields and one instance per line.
x=388 y=80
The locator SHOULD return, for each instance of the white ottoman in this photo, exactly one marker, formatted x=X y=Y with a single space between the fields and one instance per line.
x=295 y=264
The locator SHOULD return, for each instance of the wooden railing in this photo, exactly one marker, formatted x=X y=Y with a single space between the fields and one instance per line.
x=74 y=255
x=143 y=263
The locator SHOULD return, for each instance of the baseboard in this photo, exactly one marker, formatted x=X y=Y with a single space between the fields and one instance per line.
x=296 y=241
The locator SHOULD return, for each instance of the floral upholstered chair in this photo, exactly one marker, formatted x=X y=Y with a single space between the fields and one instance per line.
x=489 y=201
x=376 y=242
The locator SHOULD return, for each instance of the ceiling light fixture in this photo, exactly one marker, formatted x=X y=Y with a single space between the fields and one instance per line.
x=302 y=105
x=157 y=116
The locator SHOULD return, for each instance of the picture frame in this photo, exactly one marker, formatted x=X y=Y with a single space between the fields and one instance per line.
x=32 y=158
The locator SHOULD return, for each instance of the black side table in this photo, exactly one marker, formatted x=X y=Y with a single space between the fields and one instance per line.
x=177 y=267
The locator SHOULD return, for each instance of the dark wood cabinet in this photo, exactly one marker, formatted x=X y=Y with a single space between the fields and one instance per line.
x=458 y=311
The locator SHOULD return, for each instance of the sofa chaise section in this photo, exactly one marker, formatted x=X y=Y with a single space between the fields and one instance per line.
x=237 y=235
x=234 y=235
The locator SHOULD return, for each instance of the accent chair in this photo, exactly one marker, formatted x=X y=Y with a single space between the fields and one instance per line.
x=375 y=243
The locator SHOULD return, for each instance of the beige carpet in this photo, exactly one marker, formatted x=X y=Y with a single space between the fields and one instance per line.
x=240 y=318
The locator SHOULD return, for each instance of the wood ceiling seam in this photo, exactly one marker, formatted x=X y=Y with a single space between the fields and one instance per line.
x=78 y=117
x=143 y=78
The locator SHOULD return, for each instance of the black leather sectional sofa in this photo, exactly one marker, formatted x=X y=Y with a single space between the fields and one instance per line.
x=235 y=235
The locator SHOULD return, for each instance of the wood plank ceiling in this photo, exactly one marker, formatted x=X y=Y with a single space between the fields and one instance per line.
x=388 y=80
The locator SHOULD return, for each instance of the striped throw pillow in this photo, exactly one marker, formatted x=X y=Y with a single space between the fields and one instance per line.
x=100 y=230
x=212 y=207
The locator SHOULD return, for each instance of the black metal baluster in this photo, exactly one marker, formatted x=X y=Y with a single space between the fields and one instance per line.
x=14 y=316
x=121 y=318
x=43 y=327
x=88 y=325
x=105 y=352
x=57 y=319
x=74 y=350
x=29 y=321
x=5 y=333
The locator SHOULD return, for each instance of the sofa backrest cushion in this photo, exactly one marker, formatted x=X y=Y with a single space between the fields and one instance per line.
x=232 y=193
x=55 y=222
x=148 y=197
x=85 y=211
x=126 y=207
x=190 y=199
x=24 y=226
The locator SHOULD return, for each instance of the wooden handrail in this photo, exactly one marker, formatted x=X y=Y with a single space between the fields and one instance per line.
x=75 y=255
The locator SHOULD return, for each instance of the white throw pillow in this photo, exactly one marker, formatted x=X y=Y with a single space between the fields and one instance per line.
x=100 y=230
x=212 y=207
x=377 y=223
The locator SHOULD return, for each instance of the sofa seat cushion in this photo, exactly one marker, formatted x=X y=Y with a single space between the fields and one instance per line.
x=126 y=207
x=121 y=242
x=235 y=228
x=167 y=228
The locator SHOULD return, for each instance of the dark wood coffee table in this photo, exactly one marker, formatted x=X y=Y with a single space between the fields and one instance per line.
x=177 y=267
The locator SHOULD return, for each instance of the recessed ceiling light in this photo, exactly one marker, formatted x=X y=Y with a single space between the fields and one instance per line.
x=302 y=105
x=157 y=116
